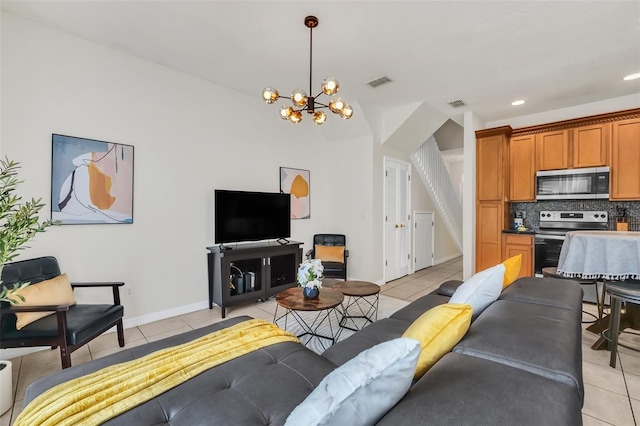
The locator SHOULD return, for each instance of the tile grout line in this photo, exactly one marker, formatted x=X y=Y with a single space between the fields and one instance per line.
x=633 y=415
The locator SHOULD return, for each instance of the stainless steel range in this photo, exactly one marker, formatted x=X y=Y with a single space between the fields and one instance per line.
x=553 y=227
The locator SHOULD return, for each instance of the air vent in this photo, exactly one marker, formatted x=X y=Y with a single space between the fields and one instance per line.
x=457 y=104
x=378 y=81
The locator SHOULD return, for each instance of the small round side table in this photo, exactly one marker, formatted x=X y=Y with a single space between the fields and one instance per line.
x=362 y=302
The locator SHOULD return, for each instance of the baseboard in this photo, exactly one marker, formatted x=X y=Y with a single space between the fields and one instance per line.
x=445 y=259
x=128 y=323
x=167 y=313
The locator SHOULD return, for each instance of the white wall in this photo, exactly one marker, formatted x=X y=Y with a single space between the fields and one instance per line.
x=190 y=136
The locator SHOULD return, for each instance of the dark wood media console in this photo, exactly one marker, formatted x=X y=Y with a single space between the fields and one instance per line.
x=266 y=268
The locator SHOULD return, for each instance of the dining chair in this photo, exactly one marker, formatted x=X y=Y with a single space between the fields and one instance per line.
x=619 y=292
x=552 y=272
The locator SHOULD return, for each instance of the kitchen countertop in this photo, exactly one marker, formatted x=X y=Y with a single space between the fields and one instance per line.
x=513 y=231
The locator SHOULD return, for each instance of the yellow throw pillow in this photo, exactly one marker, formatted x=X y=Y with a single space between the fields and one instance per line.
x=512 y=270
x=330 y=253
x=438 y=330
x=56 y=291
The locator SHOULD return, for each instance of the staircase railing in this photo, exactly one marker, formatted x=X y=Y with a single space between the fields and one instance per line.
x=435 y=176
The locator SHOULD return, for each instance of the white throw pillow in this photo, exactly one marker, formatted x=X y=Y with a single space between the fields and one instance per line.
x=363 y=389
x=480 y=290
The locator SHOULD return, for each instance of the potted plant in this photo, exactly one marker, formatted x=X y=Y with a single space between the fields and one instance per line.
x=19 y=223
x=310 y=278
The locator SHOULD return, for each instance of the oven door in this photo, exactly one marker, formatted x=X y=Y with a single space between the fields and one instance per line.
x=547 y=251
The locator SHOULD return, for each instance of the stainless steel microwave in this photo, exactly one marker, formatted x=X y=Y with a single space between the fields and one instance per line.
x=573 y=184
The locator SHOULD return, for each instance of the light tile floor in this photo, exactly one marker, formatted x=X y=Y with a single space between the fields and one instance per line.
x=612 y=396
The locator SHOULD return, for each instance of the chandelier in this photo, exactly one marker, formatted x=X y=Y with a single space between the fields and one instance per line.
x=303 y=102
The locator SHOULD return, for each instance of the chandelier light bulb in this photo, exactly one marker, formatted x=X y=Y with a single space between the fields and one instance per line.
x=347 y=112
x=299 y=97
x=330 y=86
x=295 y=117
x=319 y=117
x=270 y=95
x=285 y=112
x=336 y=105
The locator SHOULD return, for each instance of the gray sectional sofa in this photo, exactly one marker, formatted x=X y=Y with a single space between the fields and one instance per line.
x=520 y=363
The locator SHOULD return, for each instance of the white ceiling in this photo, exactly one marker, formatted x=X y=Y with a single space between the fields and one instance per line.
x=553 y=54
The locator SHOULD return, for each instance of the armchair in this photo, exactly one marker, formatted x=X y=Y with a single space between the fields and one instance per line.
x=70 y=327
x=331 y=250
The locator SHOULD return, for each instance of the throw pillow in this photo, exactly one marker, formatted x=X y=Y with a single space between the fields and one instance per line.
x=363 y=389
x=512 y=270
x=438 y=330
x=480 y=290
x=329 y=253
x=56 y=291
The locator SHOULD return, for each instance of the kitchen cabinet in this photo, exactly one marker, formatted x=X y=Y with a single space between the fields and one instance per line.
x=590 y=145
x=553 y=150
x=490 y=220
x=492 y=165
x=492 y=173
x=270 y=268
x=522 y=168
x=625 y=160
x=514 y=244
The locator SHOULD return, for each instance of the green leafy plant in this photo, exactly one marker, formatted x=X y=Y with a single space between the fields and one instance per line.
x=19 y=223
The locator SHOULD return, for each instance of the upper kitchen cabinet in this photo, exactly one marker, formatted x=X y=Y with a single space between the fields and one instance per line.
x=492 y=164
x=625 y=160
x=590 y=145
x=522 y=168
x=553 y=150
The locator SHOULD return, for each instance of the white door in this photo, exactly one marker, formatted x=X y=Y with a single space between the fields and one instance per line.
x=423 y=239
x=397 y=218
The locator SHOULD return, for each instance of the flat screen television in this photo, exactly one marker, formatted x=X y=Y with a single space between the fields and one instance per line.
x=251 y=216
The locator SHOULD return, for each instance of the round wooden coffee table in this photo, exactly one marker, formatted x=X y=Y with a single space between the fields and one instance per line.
x=326 y=306
x=362 y=302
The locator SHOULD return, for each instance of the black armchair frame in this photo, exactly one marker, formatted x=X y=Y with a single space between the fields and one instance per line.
x=332 y=269
x=41 y=269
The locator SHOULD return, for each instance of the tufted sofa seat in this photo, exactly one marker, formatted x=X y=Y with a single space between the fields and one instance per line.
x=239 y=392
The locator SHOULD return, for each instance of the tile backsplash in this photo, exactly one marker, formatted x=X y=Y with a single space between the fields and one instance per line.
x=532 y=210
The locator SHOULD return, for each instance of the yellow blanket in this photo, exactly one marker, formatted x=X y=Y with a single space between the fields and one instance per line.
x=106 y=393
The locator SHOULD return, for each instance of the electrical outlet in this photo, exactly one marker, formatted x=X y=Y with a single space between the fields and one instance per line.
x=128 y=292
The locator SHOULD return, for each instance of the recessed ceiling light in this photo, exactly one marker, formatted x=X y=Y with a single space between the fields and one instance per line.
x=518 y=102
x=632 y=76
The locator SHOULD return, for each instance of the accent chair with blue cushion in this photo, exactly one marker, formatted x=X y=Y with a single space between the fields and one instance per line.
x=331 y=250
x=66 y=325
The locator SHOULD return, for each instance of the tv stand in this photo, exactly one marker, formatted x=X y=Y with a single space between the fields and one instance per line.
x=251 y=272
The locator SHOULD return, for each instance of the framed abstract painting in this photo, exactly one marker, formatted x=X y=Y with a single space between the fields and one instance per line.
x=91 y=181
x=296 y=183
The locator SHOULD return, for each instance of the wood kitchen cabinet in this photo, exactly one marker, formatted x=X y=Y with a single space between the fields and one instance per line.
x=490 y=219
x=522 y=168
x=552 y=149
x=625 y=160
x=590 y=145
x=492 y=165
x=514 y=244
x=492 y=173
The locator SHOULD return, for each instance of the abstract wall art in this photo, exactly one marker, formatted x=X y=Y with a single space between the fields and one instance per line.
x=91 y=181
x=296 y=183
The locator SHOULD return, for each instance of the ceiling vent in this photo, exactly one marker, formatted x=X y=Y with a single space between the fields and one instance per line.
x=457 y=104
x=379 y=81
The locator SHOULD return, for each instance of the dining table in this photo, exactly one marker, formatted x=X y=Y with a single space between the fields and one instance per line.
x=603 y=256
